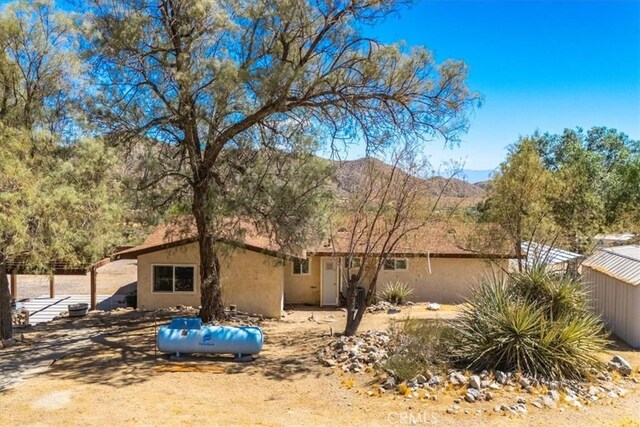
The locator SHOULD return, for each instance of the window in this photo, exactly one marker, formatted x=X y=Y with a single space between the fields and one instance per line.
x=301 y=267
x=395 y=264
x=355 y=262
x=173 y=278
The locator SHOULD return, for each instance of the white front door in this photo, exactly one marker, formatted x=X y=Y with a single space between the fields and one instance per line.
x=329 y=282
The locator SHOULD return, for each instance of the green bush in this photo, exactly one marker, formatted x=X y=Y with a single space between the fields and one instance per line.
x=418 y=346
x=395 y=292
x=535 y=322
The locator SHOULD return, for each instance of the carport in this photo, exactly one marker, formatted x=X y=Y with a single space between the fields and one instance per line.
x=56 y=269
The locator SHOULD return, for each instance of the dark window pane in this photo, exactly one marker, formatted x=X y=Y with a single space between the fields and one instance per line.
x=401 y=264
x=390 y=264
x=162 y=278
x=301 y=266
x=184 y=279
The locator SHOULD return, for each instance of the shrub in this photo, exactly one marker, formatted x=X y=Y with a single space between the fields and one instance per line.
x=395 y=292
x=534 y=322
x=418 y=346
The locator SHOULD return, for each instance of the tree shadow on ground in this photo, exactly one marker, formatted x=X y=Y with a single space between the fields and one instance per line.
x=118 y=349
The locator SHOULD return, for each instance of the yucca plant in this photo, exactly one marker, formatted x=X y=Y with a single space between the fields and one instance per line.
x=533 y=322
x=395 y=292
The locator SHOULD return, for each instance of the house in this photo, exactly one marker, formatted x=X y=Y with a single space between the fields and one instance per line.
x=612 y=276
x=252 y=271
x=257 y=277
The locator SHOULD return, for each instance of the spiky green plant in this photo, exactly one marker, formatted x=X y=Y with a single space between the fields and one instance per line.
x=532 y=322
x=395 y=292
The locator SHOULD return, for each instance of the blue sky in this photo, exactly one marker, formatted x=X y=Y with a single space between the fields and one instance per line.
x=544 y=65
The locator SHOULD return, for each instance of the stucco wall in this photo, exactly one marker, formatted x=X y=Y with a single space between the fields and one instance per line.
x=617 y=302
x=300 y=289
x=449 y=281
x=252 y=281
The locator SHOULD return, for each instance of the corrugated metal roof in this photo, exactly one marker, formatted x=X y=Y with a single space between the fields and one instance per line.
x=622 y=263
x=537 y=253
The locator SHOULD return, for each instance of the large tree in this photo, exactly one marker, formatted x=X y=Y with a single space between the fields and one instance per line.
x=517 y=199
x=58 y=193
x=593 y=181
x=214 y=78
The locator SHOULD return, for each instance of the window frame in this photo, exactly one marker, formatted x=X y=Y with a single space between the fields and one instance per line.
x=359 y=262
x=173 y=281
x=293 y=267
x=395 y=264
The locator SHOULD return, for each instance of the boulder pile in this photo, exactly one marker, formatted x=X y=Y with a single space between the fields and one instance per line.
x=355 y=354
x=368 y=352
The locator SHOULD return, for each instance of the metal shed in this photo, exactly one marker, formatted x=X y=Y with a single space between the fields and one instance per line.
x=554 y=258
x=613 y=277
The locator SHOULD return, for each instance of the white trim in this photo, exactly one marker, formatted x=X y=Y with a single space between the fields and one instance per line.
x=308 y=273
x=337 y=263
x=173 y=291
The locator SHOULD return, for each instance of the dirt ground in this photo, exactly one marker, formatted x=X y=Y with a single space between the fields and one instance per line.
x=103 y=369
x=118 y=277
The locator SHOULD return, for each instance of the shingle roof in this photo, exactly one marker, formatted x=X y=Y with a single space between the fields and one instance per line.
x=622 y=263
x=440 y=239
x=180 y=233
x=437 y=240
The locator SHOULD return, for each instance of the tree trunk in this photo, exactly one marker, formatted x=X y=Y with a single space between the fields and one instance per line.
x=354 y=316
x=6 y=330
x=212 y=307
x=351 y=328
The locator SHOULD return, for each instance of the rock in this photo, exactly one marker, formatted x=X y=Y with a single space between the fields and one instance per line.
x=420 y=379
x=501 y=377
x=475 y=383
x=488 y=396
x=548 y=401
x=330 y=362
x=612 y=395
x=522 y=400
x=497 y=408
x=619 y=364
x=520 y=408
x=456 y=401
x=554 y=395
x=457 y=378
x=494 y=386
x=433 y=306
x=389 y=384
x=537 y=404
x=472 y=395
x=593 y=391
x=435 y=380
x=485 y=383
x=393 y=311
x=524 y=382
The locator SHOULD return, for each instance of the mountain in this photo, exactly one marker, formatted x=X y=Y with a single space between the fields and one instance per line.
x=350 y=173
x=476 y=175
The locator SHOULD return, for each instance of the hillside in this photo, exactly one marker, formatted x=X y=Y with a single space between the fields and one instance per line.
x=350 y=173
